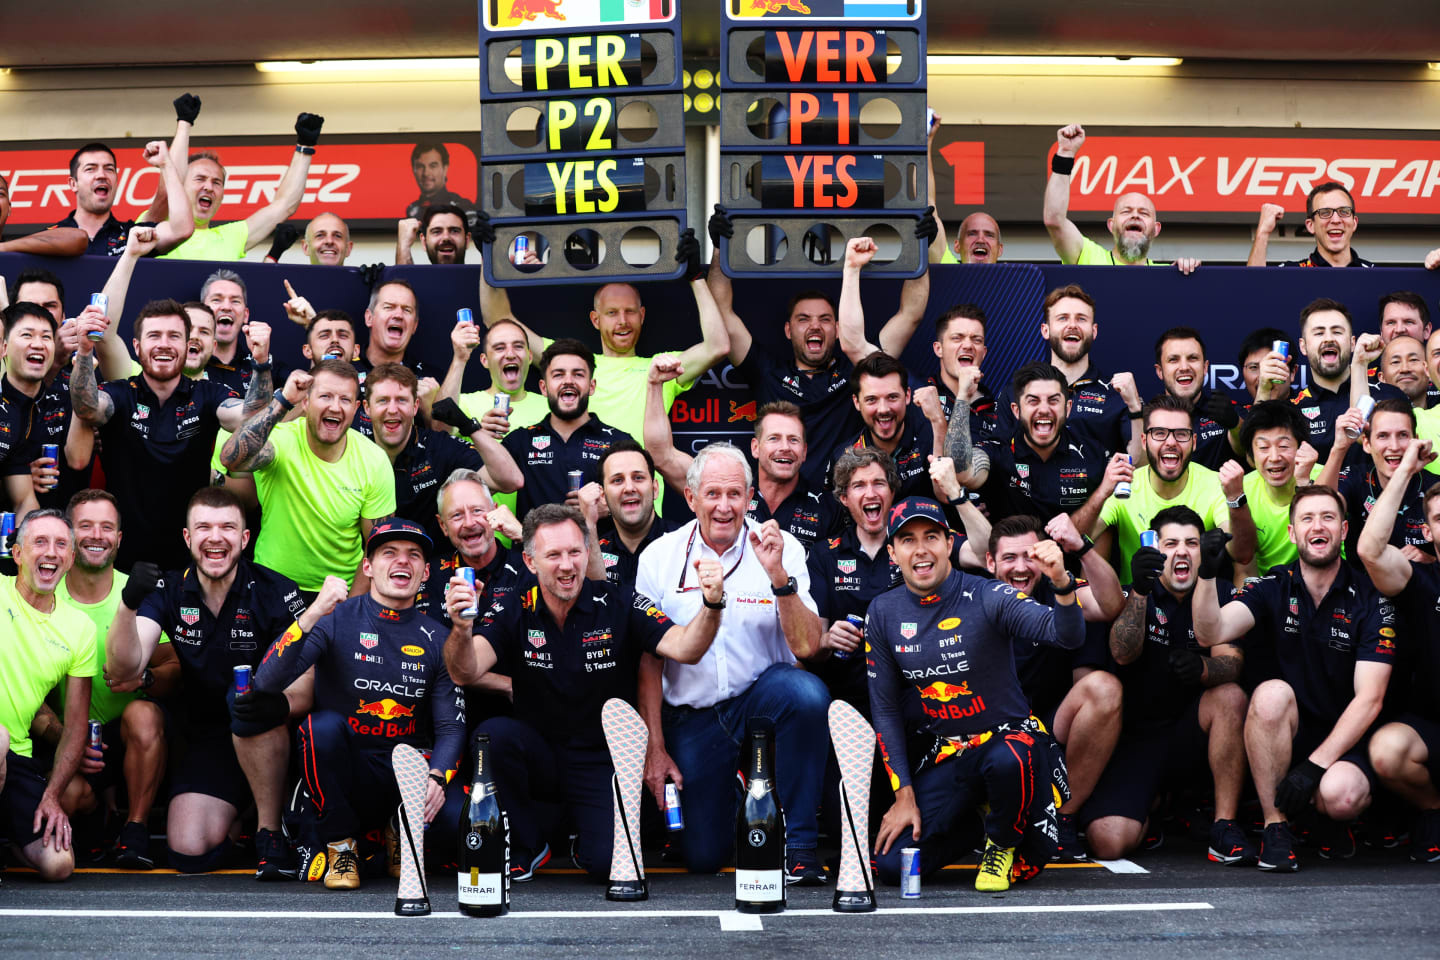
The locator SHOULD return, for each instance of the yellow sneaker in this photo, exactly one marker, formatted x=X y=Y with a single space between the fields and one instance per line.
x=344 y=872
x=994 y=873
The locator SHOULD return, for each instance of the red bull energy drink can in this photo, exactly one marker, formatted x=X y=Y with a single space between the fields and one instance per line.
x=910 y=873
x=51 y=451
x=472 y=611
x=1122 y=489
x=856 y=621
x=1366 y=407
x=103 y=302
x=7 y=531
x=522 y=247
x=502 y=403
x=577 y=479
x=674 y=819
x=242 y=679
x=1281 y=347
x=97 y=736
x=1148 y=538
x=464 y=315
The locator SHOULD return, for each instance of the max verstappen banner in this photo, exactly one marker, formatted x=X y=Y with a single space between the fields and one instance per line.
x=368 y=182
x=1192 y=174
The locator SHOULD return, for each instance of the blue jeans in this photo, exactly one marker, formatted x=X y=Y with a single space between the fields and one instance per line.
x=705 y=744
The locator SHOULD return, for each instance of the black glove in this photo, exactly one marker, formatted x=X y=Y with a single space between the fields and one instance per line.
x=284 y=238
x=187 y=107
x=1292 y=795
x=1145 y=567
x=1188 y=666
x=307 y=129
x=720 y=226
x=482 y=231
x=1221 y=409
x=144 y=577
x=261 y=708
x=687 y=251
x=448 y=412
x=926 y=228
x=371 y=273
x=1212 y=552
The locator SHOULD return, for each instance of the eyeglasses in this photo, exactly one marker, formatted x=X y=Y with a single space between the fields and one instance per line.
x=1161 y=434
x=1325 y=213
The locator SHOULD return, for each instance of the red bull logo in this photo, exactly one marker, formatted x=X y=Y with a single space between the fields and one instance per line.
x=386 y=709
x=530 y=9
x=278 y=648
x=742 y=411
x=775 y=6
x=945 y=692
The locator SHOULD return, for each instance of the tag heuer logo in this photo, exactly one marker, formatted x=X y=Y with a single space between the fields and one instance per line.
x=369 y=640
x=540 y=443
x=142 y=412
x=191 y=615
x=1022 y=469
x=537 y=638
x=907 y=630
x=1310 y=412
x=846 y=566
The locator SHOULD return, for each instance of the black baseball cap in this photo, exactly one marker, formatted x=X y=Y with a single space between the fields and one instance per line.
x=398 y=528
x=915 y=508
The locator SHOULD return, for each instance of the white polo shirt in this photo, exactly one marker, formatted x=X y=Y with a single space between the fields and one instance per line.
x=749 y=639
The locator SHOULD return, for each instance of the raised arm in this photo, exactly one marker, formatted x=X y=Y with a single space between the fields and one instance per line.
x=851 y=322
x=86 y=399
x=179 y=223
x=1270 y=214
x=721 y=289
x=972 y=463
x=260 y=224
x=1239 y=522
x=688 y=644
x=468 y=655
x=1102 y=583
x=55 y=242
x=406 y=232
x=249 y=448
x=672 y=463
x=494 y=301
x=1066 y=237
x=111 y=353
x=1385 y=563
x=1087 y=518
x=914 y=294
x=131 y=639
x=1213 y=623
x=714 y=344
x=936 y=251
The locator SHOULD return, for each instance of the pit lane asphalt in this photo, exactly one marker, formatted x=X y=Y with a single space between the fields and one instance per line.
x=1376 y=905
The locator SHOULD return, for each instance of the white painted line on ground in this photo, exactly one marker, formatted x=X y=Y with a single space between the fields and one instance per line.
x=613 y=914
x=1122 y=866
x=736 y=920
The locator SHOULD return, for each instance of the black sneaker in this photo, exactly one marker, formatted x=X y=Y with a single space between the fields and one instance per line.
x=1228 y=844
x=1335 y=840
x=274 y=860
x=1277 y=849
x=1425 y=837
x=1068 y=846
x=132 y=847
x=524 y=867
x=803 y=869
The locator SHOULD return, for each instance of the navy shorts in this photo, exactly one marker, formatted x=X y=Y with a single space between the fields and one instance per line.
x=1143 y=761
x=1429 y=732
x=25 y=781
x=203 y=761
x=1310 y=734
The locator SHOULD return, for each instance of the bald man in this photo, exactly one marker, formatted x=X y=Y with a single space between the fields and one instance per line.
x=327 y=240
x=1133 y=223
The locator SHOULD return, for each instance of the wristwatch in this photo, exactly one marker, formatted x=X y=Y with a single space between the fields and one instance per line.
x=788 y=590
x=715 y=606
x=1237 y=503
x=280 y=398
x=1068 y=589
x=147 y=679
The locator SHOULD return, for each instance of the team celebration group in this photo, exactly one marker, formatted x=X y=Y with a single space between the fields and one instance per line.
x=1079 y=608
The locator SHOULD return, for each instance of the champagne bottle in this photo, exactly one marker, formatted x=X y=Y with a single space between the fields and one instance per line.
x=760 y=827
x=484 y=843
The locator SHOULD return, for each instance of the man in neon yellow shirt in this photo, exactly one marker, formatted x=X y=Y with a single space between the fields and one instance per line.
x=1169 y=479
x=321 y=485
x=134 y=730
x=205 y=186
x=621 y=373
x=1133 y=223
x=1271 y=437
x=46 y=642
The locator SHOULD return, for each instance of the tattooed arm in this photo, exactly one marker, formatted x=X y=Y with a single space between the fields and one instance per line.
x=1223 y=665
x=249 y=449
x=259 y=392
x=1127 y=633
x=86 y=398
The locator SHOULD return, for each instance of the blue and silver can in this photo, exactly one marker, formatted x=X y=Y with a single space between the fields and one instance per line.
x=464 y=315
x=7 y=531
x=502 y=403
x=577 y=479
x=472 y=611
x=242 y=679
x=97 y=736
x=858 y=622
x=674 y=819
x=910 y=873
x=51 y=451
x=1281 y=347
x=103 y=302
x=1122 y=489
x=1148 y=538
x=522 y=247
